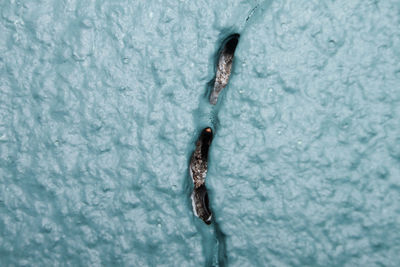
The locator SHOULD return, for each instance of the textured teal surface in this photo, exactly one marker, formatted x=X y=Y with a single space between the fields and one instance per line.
x=101 y=102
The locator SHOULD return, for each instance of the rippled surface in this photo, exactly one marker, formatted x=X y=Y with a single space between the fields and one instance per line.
x=101 y=102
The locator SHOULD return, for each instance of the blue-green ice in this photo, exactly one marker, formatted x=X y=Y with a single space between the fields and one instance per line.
x=101 y=103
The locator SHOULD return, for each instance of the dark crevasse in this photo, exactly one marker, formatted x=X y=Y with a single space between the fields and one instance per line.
x=224 y=60
x=213 y=239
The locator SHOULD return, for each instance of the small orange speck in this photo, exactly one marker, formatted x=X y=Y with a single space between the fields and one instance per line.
x=208 y=130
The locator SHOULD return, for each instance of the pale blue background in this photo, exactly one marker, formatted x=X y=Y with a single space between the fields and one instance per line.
x=101 y=102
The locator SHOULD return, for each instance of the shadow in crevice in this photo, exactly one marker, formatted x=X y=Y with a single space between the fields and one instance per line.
x=212 y=238
x=227 y=45
x=206 y=115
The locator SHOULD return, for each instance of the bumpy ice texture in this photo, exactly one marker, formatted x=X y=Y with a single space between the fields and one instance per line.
x=101 y=102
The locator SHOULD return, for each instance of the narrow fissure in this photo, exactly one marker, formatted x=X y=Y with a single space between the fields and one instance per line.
x=214 y=239
x=206 y=117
